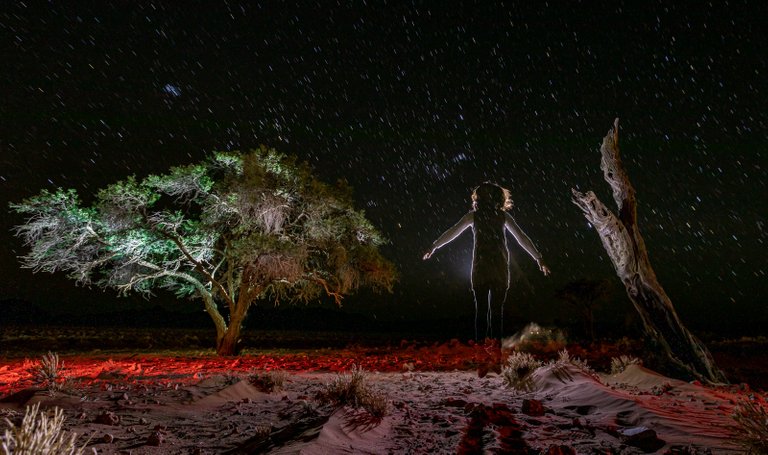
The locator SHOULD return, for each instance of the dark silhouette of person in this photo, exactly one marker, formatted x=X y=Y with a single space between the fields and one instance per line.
x=490 y=220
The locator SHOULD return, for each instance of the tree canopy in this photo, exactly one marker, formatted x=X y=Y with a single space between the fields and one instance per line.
x=234 y=229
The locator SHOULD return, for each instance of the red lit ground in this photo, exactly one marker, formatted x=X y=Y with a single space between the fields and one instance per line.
x=437 y=403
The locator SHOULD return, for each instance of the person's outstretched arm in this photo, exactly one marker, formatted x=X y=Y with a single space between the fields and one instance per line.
x=525 y=242
x=453 y=232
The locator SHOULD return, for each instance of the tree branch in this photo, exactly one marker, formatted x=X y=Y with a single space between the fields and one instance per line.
x=617 y=178
x=337 y=297
x=199 y=267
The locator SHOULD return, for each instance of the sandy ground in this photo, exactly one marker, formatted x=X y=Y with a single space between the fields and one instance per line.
x=124 y=408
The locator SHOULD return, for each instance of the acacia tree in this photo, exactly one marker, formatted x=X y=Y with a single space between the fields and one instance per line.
x=231 y=230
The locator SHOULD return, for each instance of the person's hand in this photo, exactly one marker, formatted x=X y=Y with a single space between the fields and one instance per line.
x=543 y=267
x=428 y=254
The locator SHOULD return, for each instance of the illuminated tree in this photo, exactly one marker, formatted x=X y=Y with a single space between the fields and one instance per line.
x=232 y=230
x=675 y=348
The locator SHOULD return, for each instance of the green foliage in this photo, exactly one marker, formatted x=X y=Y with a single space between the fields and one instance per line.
x=234 y=228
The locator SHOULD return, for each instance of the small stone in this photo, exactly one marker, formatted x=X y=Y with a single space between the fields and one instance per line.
x=108 y=418
x=143 y=421
x=643 y=438
x=107 y=438
x=155 y=439
x=533 y=408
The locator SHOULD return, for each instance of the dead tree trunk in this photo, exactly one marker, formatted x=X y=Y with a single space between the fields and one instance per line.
x=675 y=351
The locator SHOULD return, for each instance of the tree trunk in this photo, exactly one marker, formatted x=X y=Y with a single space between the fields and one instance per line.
x=675 y=350
x=227 y=343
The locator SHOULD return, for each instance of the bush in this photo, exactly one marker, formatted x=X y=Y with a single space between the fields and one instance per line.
x=565 y=358
x=518 y=372
x=352 y=390
x=269 y=381
x=40 y=434
x=751 y=418
x=620 y=363
x=49 y=372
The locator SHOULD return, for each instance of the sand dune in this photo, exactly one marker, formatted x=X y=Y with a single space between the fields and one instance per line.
x=431 y=412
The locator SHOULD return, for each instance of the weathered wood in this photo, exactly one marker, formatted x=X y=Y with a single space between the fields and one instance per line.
x=674 y=349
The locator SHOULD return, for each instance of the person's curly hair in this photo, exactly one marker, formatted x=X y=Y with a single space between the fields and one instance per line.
x=491 y=195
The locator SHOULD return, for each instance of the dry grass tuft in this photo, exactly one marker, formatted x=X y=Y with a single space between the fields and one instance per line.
x=352 y=390
x=269 y=381
x=49 y=373
x=518 y=372
x=40 y=434
x=620 y=363
x=565 y=358
x=751 y=418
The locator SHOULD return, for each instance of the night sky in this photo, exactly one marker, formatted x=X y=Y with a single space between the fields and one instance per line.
x=415 y=103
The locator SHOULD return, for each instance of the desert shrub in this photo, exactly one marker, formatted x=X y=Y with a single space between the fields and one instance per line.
x=751 y=418
x=262 y=431
x=620 y=363
x=40 y=434
x=560 y=370
x=535 y=338
x=49 y=372
x=565 y=357
x=269 y=381
x=518 y=371
x=352 y=390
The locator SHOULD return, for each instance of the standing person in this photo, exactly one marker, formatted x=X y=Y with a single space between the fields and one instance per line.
x=490 y=257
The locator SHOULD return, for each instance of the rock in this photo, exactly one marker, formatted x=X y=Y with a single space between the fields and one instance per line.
x=107 y=438
x=108 y=418
x=454 y=402
x=533 y=408
x=155 y=438
x=643 y=438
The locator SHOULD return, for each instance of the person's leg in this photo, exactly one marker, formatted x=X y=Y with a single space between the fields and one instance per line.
x=481 y=295
x=476 y=297
x=496 y=300
x=488 y=314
